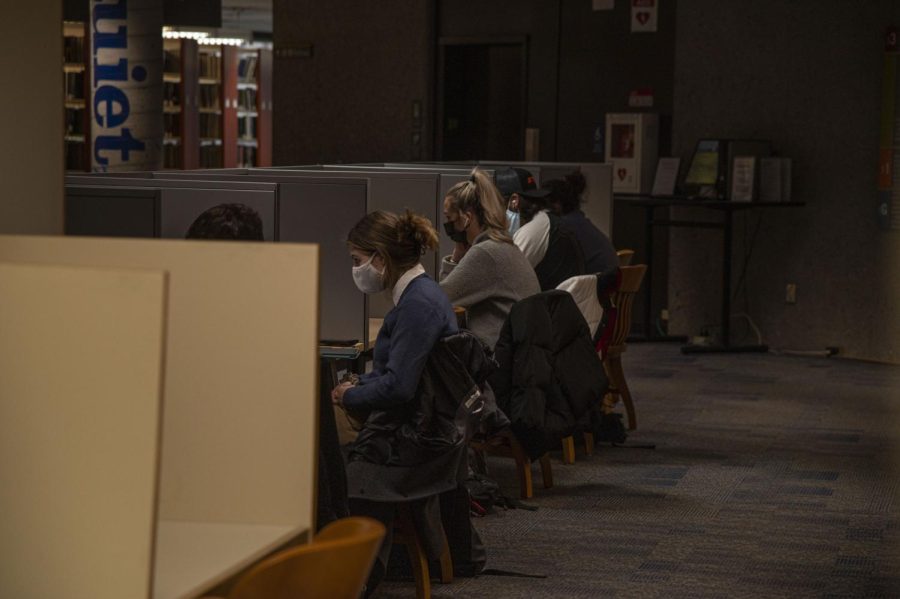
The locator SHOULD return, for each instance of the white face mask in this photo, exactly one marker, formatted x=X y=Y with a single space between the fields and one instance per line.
x=367 y=277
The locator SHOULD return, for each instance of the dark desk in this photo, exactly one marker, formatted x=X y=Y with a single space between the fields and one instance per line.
x=649 y=204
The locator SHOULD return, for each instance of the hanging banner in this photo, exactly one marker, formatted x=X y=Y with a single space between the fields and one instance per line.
x=126 y=85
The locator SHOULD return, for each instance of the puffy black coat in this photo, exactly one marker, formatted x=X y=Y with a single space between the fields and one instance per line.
x=419 y=449
x=549 y=373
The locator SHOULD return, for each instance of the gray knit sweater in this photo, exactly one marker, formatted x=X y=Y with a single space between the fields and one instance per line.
x=489 y=279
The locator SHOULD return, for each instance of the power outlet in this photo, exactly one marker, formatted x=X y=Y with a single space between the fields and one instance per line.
x=790 y=293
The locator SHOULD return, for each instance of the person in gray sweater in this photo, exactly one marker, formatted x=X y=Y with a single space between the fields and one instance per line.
x=487 y=273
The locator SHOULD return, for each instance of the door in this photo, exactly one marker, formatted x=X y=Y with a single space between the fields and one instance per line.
x=481 y=99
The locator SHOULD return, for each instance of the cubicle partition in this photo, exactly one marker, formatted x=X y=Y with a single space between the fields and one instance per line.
x=152 y=207
x=109 y=491
x=164 y=204
x=390 y=191
x=319 y=210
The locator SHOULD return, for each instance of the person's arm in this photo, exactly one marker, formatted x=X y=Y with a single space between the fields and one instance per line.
x=417 y=329
x=470 y=281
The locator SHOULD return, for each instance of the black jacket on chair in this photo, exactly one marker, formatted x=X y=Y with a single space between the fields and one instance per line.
x=419 y=449
x=549 y=373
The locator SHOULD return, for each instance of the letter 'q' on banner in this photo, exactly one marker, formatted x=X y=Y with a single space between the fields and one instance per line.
x=126 y=84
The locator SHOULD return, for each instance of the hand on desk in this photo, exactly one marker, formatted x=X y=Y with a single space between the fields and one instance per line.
x=337 y=394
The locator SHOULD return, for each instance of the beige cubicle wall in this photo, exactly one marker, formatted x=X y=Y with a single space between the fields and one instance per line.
x=240 y=410
x=81 y=364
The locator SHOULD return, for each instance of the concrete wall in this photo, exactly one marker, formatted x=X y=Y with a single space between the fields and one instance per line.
x=806 y=75
x=352 y=100
x=31 y=155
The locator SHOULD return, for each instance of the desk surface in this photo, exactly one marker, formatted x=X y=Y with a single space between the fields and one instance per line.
x=194 y=557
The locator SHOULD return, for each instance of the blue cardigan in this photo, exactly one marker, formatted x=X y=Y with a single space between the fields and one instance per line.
x=421 y=317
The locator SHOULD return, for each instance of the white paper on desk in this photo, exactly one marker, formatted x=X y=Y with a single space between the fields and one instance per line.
x=666 y=176
x=742 y=178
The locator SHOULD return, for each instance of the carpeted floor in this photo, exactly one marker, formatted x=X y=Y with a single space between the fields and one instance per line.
x=773 y=477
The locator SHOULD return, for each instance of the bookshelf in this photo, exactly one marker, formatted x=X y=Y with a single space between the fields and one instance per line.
x=180 y=104
x=254 y=108
x=210 y=106
x=76 y=77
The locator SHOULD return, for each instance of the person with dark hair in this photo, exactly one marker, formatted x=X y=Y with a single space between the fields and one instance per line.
x=551 y=249
x=227 y=221
x=565 y=198
x=486 y=274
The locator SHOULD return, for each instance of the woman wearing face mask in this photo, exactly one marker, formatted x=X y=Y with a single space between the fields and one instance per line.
x=386 y=249
x=487 y=273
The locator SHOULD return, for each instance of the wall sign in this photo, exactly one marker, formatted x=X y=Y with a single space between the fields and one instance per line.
x=643 y=16
x=126 y=85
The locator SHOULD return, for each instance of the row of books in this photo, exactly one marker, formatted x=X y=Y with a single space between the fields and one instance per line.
x=74 y=86
x=209 y=96
x=172 y=124
x=171 y=61
x=210 y=65
x=73 y=50
x=171 y=94
x=246 y=157
x=171 y=156
x=211 y=157
x=247 y=69
x=246 y=99
x=75 y=122
x=76 y=158
x=210 y=125
x=247 y=127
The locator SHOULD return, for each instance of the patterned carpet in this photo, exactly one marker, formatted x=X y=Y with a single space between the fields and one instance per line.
x=773 y=477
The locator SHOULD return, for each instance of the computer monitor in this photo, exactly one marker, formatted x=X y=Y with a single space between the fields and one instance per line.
x=703 y=174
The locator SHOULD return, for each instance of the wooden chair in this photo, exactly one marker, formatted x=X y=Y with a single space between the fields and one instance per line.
x=336 y=564
x=625 y=257
x=506 y=445
x=405 y=533
x=623 y=300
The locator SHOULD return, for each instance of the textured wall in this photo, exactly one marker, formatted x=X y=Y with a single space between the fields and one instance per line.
x=352 y=101
x=807 y=75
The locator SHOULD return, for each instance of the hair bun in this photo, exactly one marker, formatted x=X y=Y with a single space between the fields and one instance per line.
x=577 y=182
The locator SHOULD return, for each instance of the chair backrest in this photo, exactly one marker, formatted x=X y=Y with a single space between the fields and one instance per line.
x=336 y=564
x=625 y=257
x=623 y=299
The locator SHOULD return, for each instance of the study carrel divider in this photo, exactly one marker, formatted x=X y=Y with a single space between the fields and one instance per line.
x=239 y=436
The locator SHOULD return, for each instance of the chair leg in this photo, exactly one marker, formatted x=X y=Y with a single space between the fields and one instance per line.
x=547 y=471
x=419 y=562
x=446 y=564
x=624 y=393
x=568 y=450
x=523 y=468
x=589 y=443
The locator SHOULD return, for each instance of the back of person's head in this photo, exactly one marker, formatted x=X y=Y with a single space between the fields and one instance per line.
x=480 y=196
x=530 y=205
x=566 y=194
x=400 y=240
x=514 y=180
x=227 y=221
